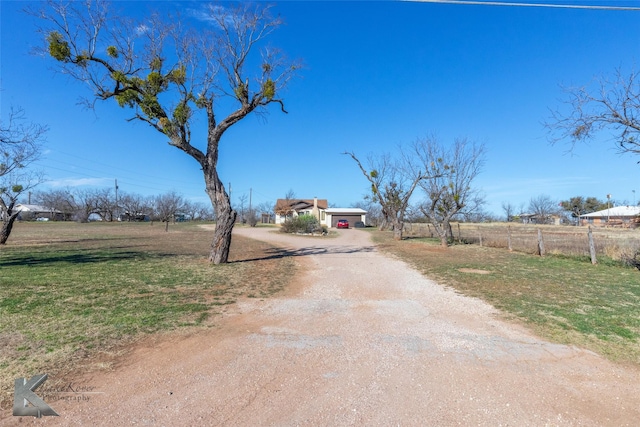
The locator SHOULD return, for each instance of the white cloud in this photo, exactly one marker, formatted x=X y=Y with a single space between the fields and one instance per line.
x=207 y=12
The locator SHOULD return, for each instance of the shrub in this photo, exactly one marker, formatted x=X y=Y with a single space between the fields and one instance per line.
x=302 y=224
x=252 y=218
x=631 y=258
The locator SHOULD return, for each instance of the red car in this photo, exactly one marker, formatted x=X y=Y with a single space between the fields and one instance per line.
x=343 y=223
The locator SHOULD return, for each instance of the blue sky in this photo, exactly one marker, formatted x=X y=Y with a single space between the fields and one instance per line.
x=377 y=74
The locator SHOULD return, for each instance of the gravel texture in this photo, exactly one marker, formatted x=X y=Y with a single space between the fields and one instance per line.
x=362 y=339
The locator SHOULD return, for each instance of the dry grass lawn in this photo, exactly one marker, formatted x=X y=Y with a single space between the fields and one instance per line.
x=74 y=296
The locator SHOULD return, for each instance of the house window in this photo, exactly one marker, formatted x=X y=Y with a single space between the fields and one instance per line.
x=322 y=216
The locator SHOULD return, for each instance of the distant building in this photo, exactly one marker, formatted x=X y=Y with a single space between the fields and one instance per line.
x=35 y=212
x=526 y=218
x=618 y=216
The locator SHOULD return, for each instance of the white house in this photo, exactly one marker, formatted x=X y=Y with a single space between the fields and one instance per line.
x=294 y=207
x=36 y=211
x=318 y=208
x=618 y=216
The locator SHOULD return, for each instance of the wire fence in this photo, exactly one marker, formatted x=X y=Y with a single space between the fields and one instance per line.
x=615 y=243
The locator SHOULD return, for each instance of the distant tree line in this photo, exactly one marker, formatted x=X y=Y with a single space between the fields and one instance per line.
x=102 y=204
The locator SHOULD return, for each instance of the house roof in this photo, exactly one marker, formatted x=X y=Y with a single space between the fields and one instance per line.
x=33 y=208
x=617 y=211
x=353 y=211
x=299 y=204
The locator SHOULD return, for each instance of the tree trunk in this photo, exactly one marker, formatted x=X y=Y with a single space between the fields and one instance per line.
x=398 y=226
x=225 y=219
x=397 y=232
x=7 y=226
x=441 y=231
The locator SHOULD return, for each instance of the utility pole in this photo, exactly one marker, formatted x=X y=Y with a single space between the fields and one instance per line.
x=250 y=191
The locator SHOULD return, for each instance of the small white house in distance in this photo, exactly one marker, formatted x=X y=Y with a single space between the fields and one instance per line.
x=352 y=215
x=37 y=212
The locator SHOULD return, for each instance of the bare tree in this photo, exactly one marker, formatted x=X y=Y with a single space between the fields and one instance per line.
x=167 y=73
x=543 y=207
x=612 y=105
x=134 y=207
x=392 y=185
x=12 y=187
x=20 y=141
x=58 y=201
x=265 y=209
x=105 y=203
x=20 y=145
x=374 y=212
x=474 y=210
x=193 y=209
x=284 y=208
x=206 y=213
x=166 y=206
x=84 y=203
x=448 y=186
x=242 y=201
x=509 y=211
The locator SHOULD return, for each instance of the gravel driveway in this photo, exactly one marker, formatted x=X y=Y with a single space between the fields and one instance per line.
x=365 y=340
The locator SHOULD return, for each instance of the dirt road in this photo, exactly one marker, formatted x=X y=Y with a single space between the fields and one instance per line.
x=365 y=340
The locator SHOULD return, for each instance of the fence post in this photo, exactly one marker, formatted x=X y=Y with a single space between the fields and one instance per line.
x=509 y=238
x=540 y=243
x=592 y=247
x=480 y=236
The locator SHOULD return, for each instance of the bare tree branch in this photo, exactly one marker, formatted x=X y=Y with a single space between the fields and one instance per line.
x=613 y=106
x=392 y=185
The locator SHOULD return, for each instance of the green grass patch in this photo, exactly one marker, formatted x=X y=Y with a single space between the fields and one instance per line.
x=562 y=298
x=71 y=291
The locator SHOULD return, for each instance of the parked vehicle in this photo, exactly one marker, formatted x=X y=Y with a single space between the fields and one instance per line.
x=343 y=223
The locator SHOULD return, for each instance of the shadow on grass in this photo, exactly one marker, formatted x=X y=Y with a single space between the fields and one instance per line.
x=277 y=253
x=71 y=258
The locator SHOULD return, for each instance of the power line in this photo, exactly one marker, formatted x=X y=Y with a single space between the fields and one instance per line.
x=123 y=183
x=136 y=174
x=515 y=4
